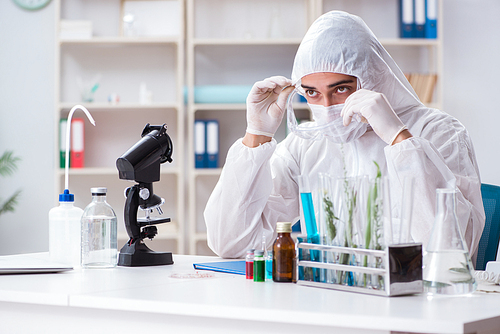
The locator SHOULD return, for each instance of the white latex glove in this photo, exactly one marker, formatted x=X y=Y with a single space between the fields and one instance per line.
x=266 y=105
x=377 y=111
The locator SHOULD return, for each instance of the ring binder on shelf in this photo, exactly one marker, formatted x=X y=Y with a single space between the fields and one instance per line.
x=420 y=18
x=200 y=139
x=212 y=129
x=431 y=18
x=206 y=143
x=77 y=149
x=407 y=29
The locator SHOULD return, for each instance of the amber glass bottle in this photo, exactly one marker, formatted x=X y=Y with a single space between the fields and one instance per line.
x=284 y=254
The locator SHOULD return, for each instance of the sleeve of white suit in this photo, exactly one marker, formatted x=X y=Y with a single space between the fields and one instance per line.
x=448 y=162
x=244 y=206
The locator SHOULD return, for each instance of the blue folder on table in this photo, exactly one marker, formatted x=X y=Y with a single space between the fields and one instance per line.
x=231 y=267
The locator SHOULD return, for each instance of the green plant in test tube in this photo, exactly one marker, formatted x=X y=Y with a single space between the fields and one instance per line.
x=373 y=231
x=331 y=229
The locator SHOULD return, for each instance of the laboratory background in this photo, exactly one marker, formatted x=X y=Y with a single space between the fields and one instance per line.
x=90 y=52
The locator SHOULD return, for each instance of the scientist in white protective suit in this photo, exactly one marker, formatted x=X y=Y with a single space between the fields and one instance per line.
x=364 y=110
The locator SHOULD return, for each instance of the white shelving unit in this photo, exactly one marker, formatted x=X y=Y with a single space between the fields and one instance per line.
x=213 y=37
x=123 y=63
x=256 y=41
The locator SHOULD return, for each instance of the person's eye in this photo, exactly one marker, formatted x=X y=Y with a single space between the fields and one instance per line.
x=343 y=89
x=311 y=93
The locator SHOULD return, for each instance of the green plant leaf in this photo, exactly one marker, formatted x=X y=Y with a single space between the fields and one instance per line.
x=330 y=217
x=8 y=163
x=9 y=205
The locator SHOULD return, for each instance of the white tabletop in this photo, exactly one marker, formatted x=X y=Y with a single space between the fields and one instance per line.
x=123 y=297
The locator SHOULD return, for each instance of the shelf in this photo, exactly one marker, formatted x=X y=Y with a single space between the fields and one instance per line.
x=206 y=171
x=238 y=42
x=200 y=237
x=296 y=41
x=219 y=106
x=104 y=41
x=89 y=171
x=409 y=42
x=235 y=106
x=104 y=106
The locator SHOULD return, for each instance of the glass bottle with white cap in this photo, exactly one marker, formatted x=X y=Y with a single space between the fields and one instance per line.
x=99 y=239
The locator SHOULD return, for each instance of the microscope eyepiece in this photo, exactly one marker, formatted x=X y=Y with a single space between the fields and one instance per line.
x=141 y=162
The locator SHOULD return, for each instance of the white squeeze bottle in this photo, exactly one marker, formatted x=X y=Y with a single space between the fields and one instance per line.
x=64 y=220
x=64 y=231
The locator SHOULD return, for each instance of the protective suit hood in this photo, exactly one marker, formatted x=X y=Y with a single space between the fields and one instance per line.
x=339 y=42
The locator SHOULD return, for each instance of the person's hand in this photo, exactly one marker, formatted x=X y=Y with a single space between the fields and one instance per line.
x=376 y=110
x=266 y=105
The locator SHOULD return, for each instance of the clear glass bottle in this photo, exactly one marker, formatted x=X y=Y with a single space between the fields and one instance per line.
x=64 y=231
x=447 y=267
x=249 y=264
x=99 y=239
x=284 y=254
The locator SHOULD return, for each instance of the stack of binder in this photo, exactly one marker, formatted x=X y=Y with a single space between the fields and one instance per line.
x=206 y=143
x=418 y=18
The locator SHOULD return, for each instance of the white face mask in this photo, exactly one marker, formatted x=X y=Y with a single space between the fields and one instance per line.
x=324 y=115
x=333 y=124
x=328 y=123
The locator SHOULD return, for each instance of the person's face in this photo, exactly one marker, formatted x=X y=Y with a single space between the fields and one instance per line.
x=328 y=88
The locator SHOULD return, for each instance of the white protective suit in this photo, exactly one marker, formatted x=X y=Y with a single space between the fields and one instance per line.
x=258 y=186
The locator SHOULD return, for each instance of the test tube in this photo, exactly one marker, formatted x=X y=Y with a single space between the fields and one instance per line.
x=406 y=210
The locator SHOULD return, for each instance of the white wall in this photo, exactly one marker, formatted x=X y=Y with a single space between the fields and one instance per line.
x=471 y=72
x=27 y=123
x=472 y=66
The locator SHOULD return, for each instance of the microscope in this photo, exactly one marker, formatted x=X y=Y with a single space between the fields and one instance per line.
x=141 y=164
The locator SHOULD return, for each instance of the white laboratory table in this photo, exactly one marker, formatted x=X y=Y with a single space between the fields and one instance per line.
x=155 y=300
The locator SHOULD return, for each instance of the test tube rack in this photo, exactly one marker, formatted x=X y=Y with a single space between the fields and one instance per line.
x=400 y=267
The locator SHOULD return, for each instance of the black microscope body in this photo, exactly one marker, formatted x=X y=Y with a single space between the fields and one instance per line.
x=141 y=163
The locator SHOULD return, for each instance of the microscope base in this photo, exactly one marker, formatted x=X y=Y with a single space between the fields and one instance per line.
x=138 y=254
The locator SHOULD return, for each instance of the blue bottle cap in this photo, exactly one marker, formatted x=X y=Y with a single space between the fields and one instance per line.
x=66 y=196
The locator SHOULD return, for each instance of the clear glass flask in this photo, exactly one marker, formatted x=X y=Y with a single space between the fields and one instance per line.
x=447 y=267
x=99 y=239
